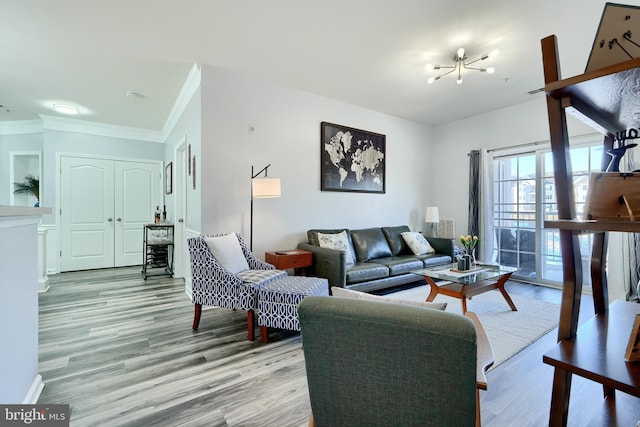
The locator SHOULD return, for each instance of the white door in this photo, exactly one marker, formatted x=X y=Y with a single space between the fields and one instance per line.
x=86 y=214
x=104 y=204
x=181 y=257
x=135 y=199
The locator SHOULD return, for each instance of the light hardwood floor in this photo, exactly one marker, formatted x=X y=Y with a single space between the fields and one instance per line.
x=120 y=351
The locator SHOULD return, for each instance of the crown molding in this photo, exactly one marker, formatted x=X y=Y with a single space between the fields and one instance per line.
x=189 y=88
x=100 y=129
x=18 y=127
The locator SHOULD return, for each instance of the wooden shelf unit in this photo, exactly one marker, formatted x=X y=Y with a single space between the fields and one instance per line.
x=606 y=100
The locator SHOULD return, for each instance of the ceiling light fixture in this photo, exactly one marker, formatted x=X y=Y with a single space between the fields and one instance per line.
x=66 y=109
x=460 y=59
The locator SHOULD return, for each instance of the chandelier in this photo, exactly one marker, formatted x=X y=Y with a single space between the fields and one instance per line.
x=460 y=63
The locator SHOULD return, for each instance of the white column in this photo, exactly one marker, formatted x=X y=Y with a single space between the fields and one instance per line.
x=20 y=381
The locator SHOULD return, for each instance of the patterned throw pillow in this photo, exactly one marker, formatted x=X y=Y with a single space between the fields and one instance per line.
x=338 y=241
x=417 y=243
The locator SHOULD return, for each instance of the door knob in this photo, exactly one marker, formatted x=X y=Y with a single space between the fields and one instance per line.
x=180 y=220
x=109 y=219
x=119 y=219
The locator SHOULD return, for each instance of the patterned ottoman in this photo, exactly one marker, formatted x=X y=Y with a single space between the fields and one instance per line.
x=278 y=302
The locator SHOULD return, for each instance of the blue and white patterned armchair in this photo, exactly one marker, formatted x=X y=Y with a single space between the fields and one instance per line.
x=212 y=285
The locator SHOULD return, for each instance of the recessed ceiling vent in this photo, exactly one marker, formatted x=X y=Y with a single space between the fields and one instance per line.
x=534 y=91
x=132 y=94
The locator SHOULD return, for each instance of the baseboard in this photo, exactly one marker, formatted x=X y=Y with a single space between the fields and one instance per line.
x=34 y=392
x=43 y=285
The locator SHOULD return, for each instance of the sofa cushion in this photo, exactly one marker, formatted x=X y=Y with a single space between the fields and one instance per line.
x=402 y=264
x=364 y=271
x=431 y=260
x=260 y=278
x=417 y=243
x=348 y=293
x=369 y=243
x=227 y=251
x=338 y=241
x=394 y=239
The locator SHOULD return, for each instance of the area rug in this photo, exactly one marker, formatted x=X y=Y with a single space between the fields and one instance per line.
x=509 y=331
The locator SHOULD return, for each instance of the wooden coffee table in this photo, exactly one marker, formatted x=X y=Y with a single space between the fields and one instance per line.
x=466 y=284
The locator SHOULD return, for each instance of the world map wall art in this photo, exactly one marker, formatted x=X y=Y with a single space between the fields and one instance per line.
x=351 y=159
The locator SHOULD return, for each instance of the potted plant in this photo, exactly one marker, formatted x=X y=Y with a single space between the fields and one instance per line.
x=30 y=185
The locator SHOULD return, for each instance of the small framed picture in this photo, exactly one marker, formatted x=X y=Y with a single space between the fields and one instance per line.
x=168 y=178
x=633 y=348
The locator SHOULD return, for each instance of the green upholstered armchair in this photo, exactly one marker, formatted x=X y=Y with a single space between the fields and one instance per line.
x=375 y=363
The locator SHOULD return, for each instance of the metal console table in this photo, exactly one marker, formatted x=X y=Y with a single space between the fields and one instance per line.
x=158 y=249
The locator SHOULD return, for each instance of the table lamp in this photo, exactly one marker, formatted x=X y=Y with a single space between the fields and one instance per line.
x=433 y=217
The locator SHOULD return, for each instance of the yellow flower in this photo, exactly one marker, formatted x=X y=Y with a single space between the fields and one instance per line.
x=469 y=242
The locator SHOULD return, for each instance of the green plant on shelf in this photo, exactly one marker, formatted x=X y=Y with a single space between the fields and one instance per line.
x=30 y=185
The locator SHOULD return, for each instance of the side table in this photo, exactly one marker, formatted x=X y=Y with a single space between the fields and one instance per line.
x=293 y=258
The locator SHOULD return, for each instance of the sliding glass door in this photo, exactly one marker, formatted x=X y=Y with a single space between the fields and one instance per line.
x=514 y=214
x=524 y=197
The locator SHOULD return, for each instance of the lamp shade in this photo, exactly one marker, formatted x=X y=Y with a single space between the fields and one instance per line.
x=263 y=188
x=432 y=215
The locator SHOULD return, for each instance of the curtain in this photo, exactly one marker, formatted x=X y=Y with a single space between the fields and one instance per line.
x=474 y=193
x=480 y=202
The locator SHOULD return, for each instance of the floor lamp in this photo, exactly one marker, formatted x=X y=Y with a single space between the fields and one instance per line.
x=433 y=217
x=262 y=188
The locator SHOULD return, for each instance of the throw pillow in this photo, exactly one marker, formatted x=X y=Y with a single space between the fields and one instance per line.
x=417 y=243
x=347 y=293
x=338 y=241
x=227 y=251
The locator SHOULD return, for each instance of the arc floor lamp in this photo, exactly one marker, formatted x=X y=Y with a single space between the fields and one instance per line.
x=263 y=187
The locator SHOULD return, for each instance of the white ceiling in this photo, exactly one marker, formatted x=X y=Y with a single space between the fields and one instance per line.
x=369 y=53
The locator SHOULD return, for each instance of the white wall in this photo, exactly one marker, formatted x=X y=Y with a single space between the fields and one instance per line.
x=286 y=134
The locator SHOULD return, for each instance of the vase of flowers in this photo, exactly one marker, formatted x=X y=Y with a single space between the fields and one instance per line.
x=470 y=242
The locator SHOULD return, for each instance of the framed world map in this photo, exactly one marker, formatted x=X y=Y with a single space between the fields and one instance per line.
x=351 y=159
